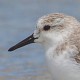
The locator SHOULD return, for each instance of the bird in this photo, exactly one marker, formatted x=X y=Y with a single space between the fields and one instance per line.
x=59 y=34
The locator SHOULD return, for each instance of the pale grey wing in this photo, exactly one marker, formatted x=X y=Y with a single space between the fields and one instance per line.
x=77 y=58
x=73 y=52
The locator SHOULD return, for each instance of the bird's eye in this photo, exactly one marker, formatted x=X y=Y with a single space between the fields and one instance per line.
x=46 y=27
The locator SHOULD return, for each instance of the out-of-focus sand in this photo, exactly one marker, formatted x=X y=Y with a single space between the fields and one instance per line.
x=43 y=76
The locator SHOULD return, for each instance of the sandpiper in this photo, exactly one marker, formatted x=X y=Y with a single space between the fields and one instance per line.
x=60 y=36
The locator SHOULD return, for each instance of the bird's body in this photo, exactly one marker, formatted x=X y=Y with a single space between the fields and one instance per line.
x=60 y=35
x=63 y=54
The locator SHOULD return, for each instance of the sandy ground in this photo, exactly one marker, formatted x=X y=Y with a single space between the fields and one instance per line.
x=45 y=76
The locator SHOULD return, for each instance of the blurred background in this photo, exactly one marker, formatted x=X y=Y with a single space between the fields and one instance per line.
x=17 y=21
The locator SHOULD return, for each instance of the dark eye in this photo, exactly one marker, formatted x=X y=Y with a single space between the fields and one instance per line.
x=46 y=27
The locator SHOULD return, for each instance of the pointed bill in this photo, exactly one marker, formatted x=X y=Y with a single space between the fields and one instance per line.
x=24 y=42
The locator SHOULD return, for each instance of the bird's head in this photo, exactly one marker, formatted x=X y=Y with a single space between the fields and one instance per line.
x=50 y=29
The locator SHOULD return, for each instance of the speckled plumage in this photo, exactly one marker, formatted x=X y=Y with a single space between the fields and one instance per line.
x=62 y=43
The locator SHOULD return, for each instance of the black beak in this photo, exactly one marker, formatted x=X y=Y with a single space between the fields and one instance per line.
x=26 y=41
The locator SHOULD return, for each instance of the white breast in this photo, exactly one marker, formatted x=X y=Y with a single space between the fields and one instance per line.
x=62 y=67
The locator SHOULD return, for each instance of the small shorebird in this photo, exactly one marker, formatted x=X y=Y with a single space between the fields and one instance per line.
x=60 y=35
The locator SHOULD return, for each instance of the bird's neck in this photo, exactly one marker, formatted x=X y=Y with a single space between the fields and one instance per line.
x=53 y=44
